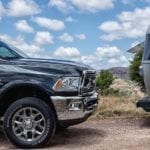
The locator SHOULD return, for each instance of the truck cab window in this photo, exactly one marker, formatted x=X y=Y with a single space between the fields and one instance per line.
x=5 y=53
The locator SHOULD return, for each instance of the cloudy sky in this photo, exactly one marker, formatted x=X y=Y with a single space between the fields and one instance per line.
x=95 y=32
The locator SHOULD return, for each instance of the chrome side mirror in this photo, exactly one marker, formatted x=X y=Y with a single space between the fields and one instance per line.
x=141 y=72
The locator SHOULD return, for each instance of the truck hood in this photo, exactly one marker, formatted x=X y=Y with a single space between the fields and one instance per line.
x=50 y=66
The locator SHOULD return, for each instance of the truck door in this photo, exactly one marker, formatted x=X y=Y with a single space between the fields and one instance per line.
x=4 y=65
x=2 y=72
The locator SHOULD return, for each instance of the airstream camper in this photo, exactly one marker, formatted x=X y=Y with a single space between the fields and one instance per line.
x=145 y=102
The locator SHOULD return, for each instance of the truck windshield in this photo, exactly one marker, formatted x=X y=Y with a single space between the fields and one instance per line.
x=8 y=51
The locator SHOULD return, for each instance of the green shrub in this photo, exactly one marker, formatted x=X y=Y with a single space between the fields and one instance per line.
x=104 y=80
x=134 y=69
x=112 y=92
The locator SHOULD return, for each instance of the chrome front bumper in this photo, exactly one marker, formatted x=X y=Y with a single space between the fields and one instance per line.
x=73 y=108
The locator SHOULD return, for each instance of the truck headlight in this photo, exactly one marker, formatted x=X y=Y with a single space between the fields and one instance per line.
x=67 y=84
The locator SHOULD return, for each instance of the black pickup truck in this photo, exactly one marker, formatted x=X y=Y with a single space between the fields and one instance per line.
x=38 y=96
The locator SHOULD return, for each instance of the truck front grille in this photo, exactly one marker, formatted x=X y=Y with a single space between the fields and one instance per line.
x=88 y=82
x=89 y=105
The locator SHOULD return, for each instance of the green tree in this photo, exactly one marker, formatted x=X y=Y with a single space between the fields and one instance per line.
x=104 y=80
x=134 y=69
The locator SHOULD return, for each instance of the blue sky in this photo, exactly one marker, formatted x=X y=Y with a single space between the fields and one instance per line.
x=95 y=32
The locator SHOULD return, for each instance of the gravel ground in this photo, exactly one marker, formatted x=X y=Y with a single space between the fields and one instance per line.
x=125 y=134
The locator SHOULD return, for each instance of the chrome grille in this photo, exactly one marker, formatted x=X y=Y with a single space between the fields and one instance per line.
x=89 y=105
x=88 y=82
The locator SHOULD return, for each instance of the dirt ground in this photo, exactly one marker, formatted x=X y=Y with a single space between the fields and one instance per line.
x=128 y=134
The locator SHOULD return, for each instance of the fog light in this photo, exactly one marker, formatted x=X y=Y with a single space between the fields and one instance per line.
x=75 y=106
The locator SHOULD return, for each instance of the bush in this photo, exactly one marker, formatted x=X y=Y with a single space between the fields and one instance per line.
x=134 y=69
x=126 y=88
x=104 y=80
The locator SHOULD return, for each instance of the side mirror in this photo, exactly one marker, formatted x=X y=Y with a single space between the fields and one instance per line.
x=141 y=71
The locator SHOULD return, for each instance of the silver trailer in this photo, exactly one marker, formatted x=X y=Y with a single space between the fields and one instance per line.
x=145 y=102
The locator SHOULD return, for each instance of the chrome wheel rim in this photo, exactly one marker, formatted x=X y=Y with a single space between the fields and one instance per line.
x=28 y=124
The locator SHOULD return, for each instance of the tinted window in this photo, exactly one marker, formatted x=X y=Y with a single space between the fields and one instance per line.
x=5 y=53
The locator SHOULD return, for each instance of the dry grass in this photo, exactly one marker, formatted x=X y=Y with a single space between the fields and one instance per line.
x=123 y=105
x=119 y=107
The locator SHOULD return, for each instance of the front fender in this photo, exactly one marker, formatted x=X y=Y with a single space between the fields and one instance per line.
x=19 y=83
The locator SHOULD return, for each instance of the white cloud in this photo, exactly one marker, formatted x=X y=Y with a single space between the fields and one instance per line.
x=107 y=52
x=107 y=57
x=102 y=57
x=109 y=26
x=113 y=61
x=129 y=24
x=67 y=52
x=122 y=61
x=43 y=38
x=123 y=58
x=51 y=24
x=81 y=36
x=66 y=6
x=93 y=5
x=31 y=49
x=66 y=37
x=61 y=5
x=6 y=38
x=19 y=42
x=23 y=26
x=89 y=59
x=134 y=44
x=20 y=8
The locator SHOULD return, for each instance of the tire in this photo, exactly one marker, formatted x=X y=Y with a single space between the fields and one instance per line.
x=29 y=122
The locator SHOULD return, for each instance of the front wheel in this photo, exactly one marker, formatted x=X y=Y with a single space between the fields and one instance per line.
x=29 y=122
